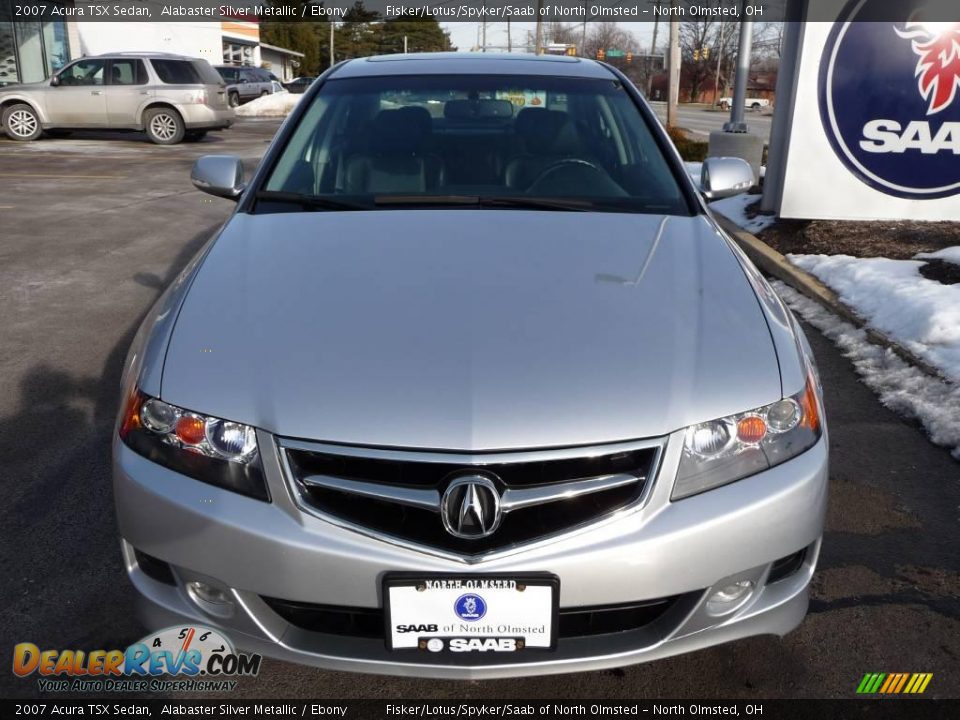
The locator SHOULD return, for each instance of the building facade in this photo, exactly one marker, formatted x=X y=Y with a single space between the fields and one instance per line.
x=32 y=51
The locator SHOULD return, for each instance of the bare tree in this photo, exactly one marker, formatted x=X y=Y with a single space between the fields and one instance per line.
x=608 y=36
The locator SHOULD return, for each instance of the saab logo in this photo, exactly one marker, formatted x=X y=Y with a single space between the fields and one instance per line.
x=889 y=97
x=416 y=628
x=483 y=644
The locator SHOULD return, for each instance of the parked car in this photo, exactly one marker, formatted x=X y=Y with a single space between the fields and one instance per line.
x=469 y=396
x=245 y=83
x=170 y=97
x=299 y=85
x=755 y=104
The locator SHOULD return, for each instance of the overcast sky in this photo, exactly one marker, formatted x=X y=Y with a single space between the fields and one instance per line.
x=464 y=34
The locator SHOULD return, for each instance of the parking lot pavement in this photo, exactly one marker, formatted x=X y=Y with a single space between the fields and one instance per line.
x=93 y=229
x=701 y=120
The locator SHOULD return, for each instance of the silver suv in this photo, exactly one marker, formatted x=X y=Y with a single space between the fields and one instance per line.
x=245 y=83
x=170 y=97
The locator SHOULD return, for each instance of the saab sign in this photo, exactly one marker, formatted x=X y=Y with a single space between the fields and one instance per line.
x=875 y=130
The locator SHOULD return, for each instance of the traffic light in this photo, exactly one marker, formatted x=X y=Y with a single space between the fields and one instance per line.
x=601 y=54
x=706 y=53
x=572 y=50
x=629 y=57
x=696 y=54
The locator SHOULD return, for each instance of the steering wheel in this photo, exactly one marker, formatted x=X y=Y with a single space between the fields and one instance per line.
x=560 y=164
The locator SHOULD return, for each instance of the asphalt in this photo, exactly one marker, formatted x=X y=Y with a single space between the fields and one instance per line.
x=702 y=119
x=92 y=228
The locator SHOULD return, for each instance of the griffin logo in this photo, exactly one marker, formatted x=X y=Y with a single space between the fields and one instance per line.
x=937 y=44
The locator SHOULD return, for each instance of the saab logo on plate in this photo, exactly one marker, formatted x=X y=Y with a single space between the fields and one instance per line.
x=470 y=607
x=889 y=96
x=483 y=644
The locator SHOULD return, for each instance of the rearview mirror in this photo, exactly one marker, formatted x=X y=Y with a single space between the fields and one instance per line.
x=723 y=177
x=220 y=175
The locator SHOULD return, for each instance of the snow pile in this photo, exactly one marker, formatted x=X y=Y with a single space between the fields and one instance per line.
x=950 y=254
x=893 y=297
x=277 y=105
x=735 y=208
x=900 y=386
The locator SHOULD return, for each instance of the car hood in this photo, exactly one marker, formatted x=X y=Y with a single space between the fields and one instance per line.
x=470 y=329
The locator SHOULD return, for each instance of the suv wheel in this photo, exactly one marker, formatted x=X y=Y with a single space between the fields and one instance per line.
x=234 y=99
x=22 y=122
x=264 y=93
x=756 y=107
x=164 y=126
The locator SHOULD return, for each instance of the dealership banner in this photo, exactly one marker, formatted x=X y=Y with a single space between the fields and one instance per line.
x=523 y=708
x=441 y=10
x=872 y=127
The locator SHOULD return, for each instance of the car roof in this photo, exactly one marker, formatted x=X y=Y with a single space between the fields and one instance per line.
x=460 y=63
x=142 y=55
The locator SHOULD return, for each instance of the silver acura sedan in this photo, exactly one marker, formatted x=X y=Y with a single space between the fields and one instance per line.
x=471 y=385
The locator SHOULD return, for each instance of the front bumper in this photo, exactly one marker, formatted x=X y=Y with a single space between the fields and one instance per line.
x=688 y=548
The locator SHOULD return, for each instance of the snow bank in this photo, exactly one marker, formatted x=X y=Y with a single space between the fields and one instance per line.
x=899 y=385
x=736 y=207
x=950 y=254
x=891 y=295
x=277 y=105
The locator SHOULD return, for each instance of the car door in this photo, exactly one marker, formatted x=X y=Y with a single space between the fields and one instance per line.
x=77 y=99
x=125 y=90
x=248 y=84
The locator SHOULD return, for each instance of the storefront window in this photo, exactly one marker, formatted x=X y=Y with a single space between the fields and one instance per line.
x=30 y=51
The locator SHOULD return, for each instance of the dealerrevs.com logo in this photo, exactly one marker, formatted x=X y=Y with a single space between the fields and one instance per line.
x=198 y=658
x=889 y=96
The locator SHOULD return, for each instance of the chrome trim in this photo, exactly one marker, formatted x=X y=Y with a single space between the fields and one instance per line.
x=519 y=498
x=427 y=499
x=483 y=457
x=511 y=499
x=477 y=459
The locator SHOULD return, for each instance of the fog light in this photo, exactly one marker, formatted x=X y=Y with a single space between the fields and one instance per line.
x=730 y=597
x=210 y=599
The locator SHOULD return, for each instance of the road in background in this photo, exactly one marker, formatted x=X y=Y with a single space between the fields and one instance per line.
x=701 y=119
x=94 y=229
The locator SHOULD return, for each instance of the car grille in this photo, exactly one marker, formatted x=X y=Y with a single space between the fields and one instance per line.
x=398 y=494
x=574 y=622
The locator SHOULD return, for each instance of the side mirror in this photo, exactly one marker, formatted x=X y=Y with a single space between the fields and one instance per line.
x=220 y=175
x=724 y=177
x=55 y=80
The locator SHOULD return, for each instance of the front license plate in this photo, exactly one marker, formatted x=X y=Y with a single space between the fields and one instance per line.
x=471 y=613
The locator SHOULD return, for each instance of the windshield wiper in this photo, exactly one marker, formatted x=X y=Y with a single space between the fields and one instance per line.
x=308 y=202
x=506 y=201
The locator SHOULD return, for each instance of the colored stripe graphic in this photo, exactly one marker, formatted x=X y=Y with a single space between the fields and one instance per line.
x=894 y=683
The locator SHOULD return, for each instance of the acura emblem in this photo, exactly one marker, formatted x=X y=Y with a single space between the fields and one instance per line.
x=470 y=507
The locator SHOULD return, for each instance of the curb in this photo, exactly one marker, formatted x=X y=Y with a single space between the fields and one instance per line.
x=773 y=263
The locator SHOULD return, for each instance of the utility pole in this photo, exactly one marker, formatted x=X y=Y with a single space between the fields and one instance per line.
x=653 y=44
x=509 y=41
x=484 y=46
x=404 y=44
x=583 y=31
x=331 y=43
x=673 y=94
x=539 y=36
x=716 y=80
x=737 y=123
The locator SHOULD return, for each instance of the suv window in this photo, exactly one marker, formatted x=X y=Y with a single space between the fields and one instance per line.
x=249 y=76
x=228 y=74
x=127 y=72
x=186 y=72
x=84 y=72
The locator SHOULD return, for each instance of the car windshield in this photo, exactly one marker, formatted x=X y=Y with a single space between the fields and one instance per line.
x=460 y=140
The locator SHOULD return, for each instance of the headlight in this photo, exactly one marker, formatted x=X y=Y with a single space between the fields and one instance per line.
x=720 y=451
x=208 y=449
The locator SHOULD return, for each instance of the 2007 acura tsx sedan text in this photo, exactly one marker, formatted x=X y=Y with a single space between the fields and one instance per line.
x=471 y=385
